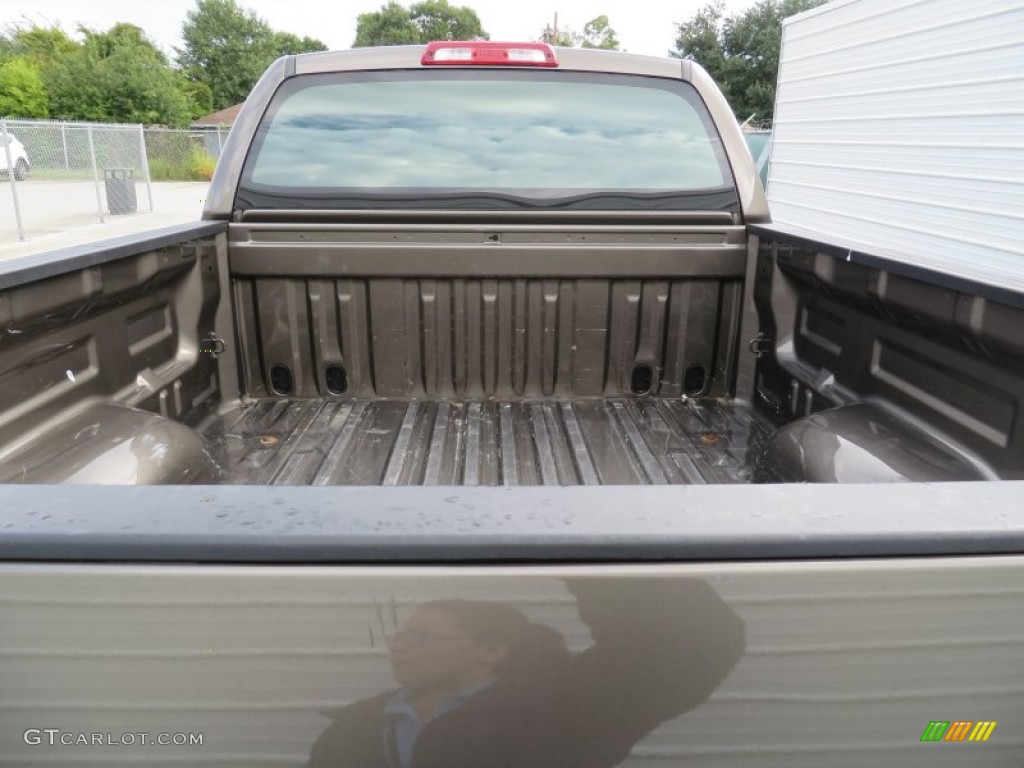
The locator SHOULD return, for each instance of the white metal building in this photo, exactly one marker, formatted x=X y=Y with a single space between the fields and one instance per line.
x=899 y=132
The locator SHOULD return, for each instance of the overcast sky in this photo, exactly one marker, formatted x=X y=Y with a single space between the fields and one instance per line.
x=642 y=26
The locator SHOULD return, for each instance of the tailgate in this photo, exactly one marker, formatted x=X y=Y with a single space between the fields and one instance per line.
x=678 y=626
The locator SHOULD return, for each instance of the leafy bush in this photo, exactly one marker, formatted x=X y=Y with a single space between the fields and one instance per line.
x=22 y=93
x=196 y=165
x=202 y=165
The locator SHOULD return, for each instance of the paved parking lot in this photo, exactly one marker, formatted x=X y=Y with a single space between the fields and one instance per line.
x=58 y=214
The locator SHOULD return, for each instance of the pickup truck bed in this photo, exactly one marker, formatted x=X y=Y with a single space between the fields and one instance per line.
x=354 y=362
x=614 y=441
x=806 y=586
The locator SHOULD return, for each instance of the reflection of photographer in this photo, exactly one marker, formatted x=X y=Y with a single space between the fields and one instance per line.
x=484 y=687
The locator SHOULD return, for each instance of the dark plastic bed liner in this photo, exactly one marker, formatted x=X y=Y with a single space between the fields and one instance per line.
x=634 y=441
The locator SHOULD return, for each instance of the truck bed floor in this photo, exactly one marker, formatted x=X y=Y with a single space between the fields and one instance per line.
x=584 y=442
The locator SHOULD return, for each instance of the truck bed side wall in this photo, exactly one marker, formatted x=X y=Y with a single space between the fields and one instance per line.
x=938 y=351
x=128 y=330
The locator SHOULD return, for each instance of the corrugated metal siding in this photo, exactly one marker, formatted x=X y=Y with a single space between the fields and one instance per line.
x=846 y=663
x=899 y=130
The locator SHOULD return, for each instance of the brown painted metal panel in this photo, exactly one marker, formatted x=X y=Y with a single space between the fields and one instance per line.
x=725 y=665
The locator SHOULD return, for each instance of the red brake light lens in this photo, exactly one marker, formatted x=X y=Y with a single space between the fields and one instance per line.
x=490 y=54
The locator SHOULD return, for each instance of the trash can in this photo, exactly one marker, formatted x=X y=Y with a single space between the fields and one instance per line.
x=120 y=184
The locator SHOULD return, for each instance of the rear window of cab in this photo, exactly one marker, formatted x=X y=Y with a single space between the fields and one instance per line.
x=507 y=138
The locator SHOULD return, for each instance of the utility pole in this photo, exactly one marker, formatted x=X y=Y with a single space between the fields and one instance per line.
x=550 y=34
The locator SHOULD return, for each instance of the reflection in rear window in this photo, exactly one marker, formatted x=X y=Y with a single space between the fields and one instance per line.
x=524 y=134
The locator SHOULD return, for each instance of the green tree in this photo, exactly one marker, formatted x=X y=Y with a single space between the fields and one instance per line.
x=597 y=33
x=563 y=37
x=700 y=39
x=198 y=95
x=42 y=45
x=22 y=92
x=391 y=25
x=741 y=52
x=421 y=23
x=286 y=43
x=437 y=20
x=118 y=75
x=135 y=77
x=75 y=90
x=227 y=48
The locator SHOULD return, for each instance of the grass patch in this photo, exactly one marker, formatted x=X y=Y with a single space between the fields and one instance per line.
x=197 y=165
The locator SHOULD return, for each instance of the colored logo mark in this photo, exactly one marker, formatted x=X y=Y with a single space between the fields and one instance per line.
x=959 y=730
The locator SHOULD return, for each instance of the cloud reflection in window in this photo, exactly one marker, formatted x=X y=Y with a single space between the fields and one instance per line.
x=495 y=135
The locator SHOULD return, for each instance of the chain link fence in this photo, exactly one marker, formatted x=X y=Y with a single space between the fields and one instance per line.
x=183 y=155
x=63 y=174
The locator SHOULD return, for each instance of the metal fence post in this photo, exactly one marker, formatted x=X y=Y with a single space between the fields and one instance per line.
x=64 y=141
x=11 y=180
x=220 y=143
x=145 y=166
x=95 y=173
